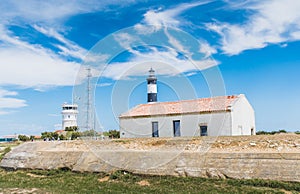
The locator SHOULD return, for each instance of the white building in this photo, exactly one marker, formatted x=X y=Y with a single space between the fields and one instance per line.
x=69 y=115
x=215 y=116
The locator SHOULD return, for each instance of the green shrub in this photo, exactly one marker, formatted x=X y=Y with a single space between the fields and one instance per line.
x=113 y=134
x=91 y=132
x=75 y=135
x=271 y=132
x=72 y=128
x=5 y=151
x=23 y=138
x=62 y=137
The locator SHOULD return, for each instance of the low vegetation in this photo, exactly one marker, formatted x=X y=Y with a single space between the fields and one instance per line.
x=6 y=147
x=23 y=138
x=4 y=151
x=112 y=134
x=72 y=133
x=270 y=132
x=64 y=181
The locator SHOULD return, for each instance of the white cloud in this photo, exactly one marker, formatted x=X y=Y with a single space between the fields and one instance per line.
x=168 y=17
x=273 y=22
x=104 y=84
x=69 y=48
x=125 y=40
x=176 y=43
x=32 y=65
x=7 y=93
x=162 y=18
x=23 y=67
x=53 y=11
x=207 y=49
x=164 y=63
x=8 y=102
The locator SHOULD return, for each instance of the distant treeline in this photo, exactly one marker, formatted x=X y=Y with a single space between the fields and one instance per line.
x=70 y=133
x=273 y=132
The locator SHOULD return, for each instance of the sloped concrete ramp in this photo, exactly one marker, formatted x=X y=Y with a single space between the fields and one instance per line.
x=183 y=158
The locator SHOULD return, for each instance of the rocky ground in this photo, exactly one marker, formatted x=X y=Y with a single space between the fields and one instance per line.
x=288 y=142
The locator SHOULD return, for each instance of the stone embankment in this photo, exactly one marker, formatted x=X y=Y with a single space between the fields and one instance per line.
x=274 y=157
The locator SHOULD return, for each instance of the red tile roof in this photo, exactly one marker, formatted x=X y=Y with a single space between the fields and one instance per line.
x=59 y=131
x=213 y=104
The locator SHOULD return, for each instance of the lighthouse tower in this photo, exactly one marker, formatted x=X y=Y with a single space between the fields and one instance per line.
x=69 y=115
x=151 y=87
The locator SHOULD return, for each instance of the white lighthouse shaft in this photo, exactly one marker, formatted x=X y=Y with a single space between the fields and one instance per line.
x=69 y=115
x=151 y=87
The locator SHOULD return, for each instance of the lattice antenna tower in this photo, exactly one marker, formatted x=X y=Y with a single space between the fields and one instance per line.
x=88 y=102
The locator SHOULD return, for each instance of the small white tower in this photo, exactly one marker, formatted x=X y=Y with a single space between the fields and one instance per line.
x=69 y=115
x=151 y=86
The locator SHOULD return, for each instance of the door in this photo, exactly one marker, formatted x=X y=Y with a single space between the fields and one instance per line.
x=155 y=129
x=252 y=131
x=203 y=130
x=176 y=128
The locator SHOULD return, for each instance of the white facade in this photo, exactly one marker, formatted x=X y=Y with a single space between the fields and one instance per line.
x=217 y=116
x=151 y=88
x=69 y=115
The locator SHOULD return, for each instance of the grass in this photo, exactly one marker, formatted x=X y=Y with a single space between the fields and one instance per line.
x=6 y=147
x=64 y=181
x=5 y=151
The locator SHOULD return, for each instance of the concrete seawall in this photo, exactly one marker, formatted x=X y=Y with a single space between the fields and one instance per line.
x=101 y=157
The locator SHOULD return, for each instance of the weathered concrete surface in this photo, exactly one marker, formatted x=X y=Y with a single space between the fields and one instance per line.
x=164 y=157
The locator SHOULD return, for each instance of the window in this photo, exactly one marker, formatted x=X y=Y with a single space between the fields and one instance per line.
x=203 y=130
x=155 y=129
x=176 y=128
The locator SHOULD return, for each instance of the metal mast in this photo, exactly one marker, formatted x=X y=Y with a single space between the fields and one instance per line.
x=88 y=103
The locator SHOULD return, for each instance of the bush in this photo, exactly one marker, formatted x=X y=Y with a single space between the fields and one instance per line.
x=91 y=132
x=113 y=134
x=62 y=137
x=23 y=138
x=75 y=135
x=270 y=133
x=282 y=131
x=72 y=128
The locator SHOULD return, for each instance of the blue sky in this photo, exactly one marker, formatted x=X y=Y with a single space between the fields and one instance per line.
x=249 y=47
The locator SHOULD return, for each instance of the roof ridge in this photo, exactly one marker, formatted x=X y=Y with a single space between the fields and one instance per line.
x=188 y=100
x=215 y=103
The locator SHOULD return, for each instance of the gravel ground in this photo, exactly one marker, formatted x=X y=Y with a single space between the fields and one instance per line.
x=282 y=143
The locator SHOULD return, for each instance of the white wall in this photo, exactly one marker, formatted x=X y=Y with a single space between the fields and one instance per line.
x=217 y=124
x=243 y=118
x=69 y=118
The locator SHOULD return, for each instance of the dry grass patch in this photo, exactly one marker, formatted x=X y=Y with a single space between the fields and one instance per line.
x=104 y=179
x=143 y=183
